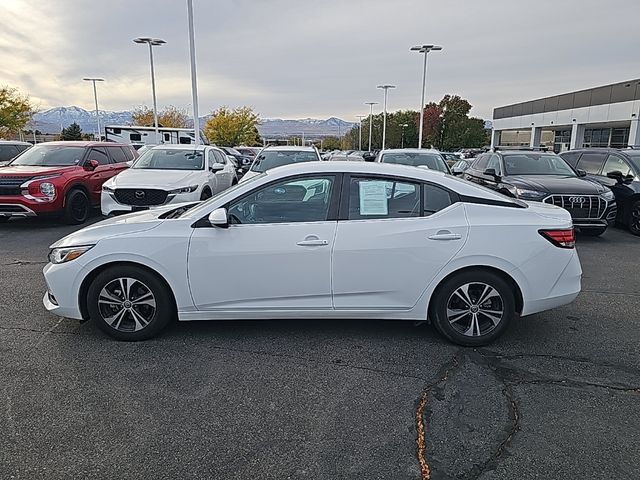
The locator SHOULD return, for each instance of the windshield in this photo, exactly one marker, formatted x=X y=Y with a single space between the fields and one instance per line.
x=433 y=161
x=51 y=156
x=536 y=164
x=276 y=158
x=170 y=159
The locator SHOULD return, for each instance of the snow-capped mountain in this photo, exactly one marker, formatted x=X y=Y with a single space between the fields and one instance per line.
x=53 y=120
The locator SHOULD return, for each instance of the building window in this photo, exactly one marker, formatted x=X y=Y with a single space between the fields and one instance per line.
x=606 y=137
x=619 y=137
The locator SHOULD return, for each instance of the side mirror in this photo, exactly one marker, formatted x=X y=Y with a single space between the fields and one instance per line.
x=216 y=167
x=581 y=173
x=219 y=218
x=492 y=173
x=92 y=164
x=617 y=176
x=369 y=156
x=456 y=171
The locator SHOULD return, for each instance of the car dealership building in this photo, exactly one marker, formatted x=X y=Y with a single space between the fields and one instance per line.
x=605 y=116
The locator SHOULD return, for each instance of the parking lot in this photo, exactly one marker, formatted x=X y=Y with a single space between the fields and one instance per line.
x=557 y=396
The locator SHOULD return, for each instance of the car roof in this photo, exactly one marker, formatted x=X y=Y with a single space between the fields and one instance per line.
x=176 y=146
x=79 y=143
x=409 y=150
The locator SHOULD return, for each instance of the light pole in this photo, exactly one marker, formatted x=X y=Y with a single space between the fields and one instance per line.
x=384 y=114
x=152 y=42
x=371 y=104
x=403 y=126
x=424 y=49
x=360 y=117
x=95 y=97
x=194 y=78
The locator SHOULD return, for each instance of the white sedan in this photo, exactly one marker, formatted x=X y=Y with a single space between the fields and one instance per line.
x=323 y=240
x=168 y=174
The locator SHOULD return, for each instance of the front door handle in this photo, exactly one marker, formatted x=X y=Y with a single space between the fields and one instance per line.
x=445 y=235
x=312 y=241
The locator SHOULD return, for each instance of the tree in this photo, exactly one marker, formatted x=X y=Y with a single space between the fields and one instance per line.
x=229 y=128
x=15 y=110
x=170 y=117
x=72 y=132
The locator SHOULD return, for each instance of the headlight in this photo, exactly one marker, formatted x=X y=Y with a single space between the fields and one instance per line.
x=608 y=195
x=529 y=194
x=66 y=254
x=48 y=189
x=107 y=189
x=190 y=189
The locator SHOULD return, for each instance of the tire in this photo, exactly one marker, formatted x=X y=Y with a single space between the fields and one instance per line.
x=593 y=232
x=460 y=327
x=634 y=218
x=118 y=314
x=76 y=207
x=206 y=193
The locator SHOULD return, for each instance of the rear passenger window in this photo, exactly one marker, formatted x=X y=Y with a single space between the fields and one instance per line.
x=371 y=198
x=117 y=155
x=128 y=153
x=435 y=199
x=591 y=162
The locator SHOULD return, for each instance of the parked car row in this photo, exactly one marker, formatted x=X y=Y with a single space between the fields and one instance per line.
x=10 y=149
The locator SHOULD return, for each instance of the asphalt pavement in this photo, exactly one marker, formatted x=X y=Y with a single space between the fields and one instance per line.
x=557 y=397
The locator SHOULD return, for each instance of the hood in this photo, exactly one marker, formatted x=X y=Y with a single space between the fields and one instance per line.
x=22 y=170
x=116 y=226
x=556 y=184
x=162 y=179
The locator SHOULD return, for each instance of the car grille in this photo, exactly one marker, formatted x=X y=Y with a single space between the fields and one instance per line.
x=579 y=206
x=10 y=185
x=140 y=197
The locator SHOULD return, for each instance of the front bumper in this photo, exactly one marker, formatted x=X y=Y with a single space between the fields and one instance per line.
x=61 y=297
x=21 y=206
x=110 y=206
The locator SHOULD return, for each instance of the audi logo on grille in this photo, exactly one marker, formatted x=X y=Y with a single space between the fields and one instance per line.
x=571 y=199
x=139 y=194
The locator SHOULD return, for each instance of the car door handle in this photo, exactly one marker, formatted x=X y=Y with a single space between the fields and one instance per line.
x=312 y=242
x=445 y=235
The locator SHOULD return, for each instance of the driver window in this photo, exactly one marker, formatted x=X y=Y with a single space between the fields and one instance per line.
x=99 y=155
x=494 y=162
x=288 y=201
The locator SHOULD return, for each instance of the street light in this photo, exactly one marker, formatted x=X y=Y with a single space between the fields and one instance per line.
x=424 y=49
x=403 y=126
x=152 y=42
x=384 y=115
x=371 y=104
x=194 y=78
x=360 y=117
x=95 y=97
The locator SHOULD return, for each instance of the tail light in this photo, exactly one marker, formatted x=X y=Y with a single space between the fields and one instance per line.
x=565 y=238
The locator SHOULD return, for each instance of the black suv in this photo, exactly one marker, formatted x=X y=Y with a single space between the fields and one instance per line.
x=620 y=171
x=546 y=177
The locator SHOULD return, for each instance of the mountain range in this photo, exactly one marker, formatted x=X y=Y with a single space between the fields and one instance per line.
x=54 y=119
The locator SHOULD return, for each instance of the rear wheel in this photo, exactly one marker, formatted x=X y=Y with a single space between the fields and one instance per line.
x=473 y=308
x=130 y=303
x=634 y=218
x=593 y=232
x=76 y=207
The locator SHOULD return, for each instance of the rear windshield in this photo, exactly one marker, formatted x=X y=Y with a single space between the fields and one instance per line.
x=276 y=158
x=51 y=156
x=433 y=161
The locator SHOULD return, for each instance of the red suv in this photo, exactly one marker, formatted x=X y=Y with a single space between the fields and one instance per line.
x=60 y=178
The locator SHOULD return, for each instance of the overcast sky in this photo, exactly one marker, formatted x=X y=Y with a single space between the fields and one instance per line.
x=315 y=58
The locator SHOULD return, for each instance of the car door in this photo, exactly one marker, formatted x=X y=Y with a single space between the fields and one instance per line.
x=212 y=178
x=276 y=252
x=100 y=174
x=225 y=176
x=393 y=237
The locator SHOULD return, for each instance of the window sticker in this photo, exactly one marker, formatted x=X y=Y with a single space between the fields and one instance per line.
x=373 y=198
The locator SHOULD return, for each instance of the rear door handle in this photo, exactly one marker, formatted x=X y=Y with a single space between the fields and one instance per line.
x=445 y=235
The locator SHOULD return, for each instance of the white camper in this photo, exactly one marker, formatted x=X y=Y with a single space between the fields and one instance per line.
x=139 y=136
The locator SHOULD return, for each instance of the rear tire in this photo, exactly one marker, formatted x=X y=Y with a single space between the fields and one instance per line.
x=593 y=232
x=473 y=308
x=634 y=218
x=130 y=303
x=76 y=207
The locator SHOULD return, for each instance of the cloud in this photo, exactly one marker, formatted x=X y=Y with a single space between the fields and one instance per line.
x=301 y=58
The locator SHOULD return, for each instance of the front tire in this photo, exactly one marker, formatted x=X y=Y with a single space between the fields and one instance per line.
x=76 y=207
x=473 y=308
x=593 y=232
x=206 y=194
x=130 y=303
x=634 y=218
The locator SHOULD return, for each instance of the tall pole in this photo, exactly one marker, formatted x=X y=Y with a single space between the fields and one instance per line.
x=403 y=126
x=360 y=117
x=194 y=80
x=384 y=114
x=153 y=91
x=95 y=98
x=371 y=104
x=425 y=49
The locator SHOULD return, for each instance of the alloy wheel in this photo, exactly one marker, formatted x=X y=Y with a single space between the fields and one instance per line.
x=475 y=309
x=79 y=208
x=127 y=304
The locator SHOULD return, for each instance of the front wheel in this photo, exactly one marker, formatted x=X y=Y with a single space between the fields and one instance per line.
x=634 y=218
x=473 y=308
x=206 y=194
x=76 y=208
x=593 y=232
x=130 y=303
